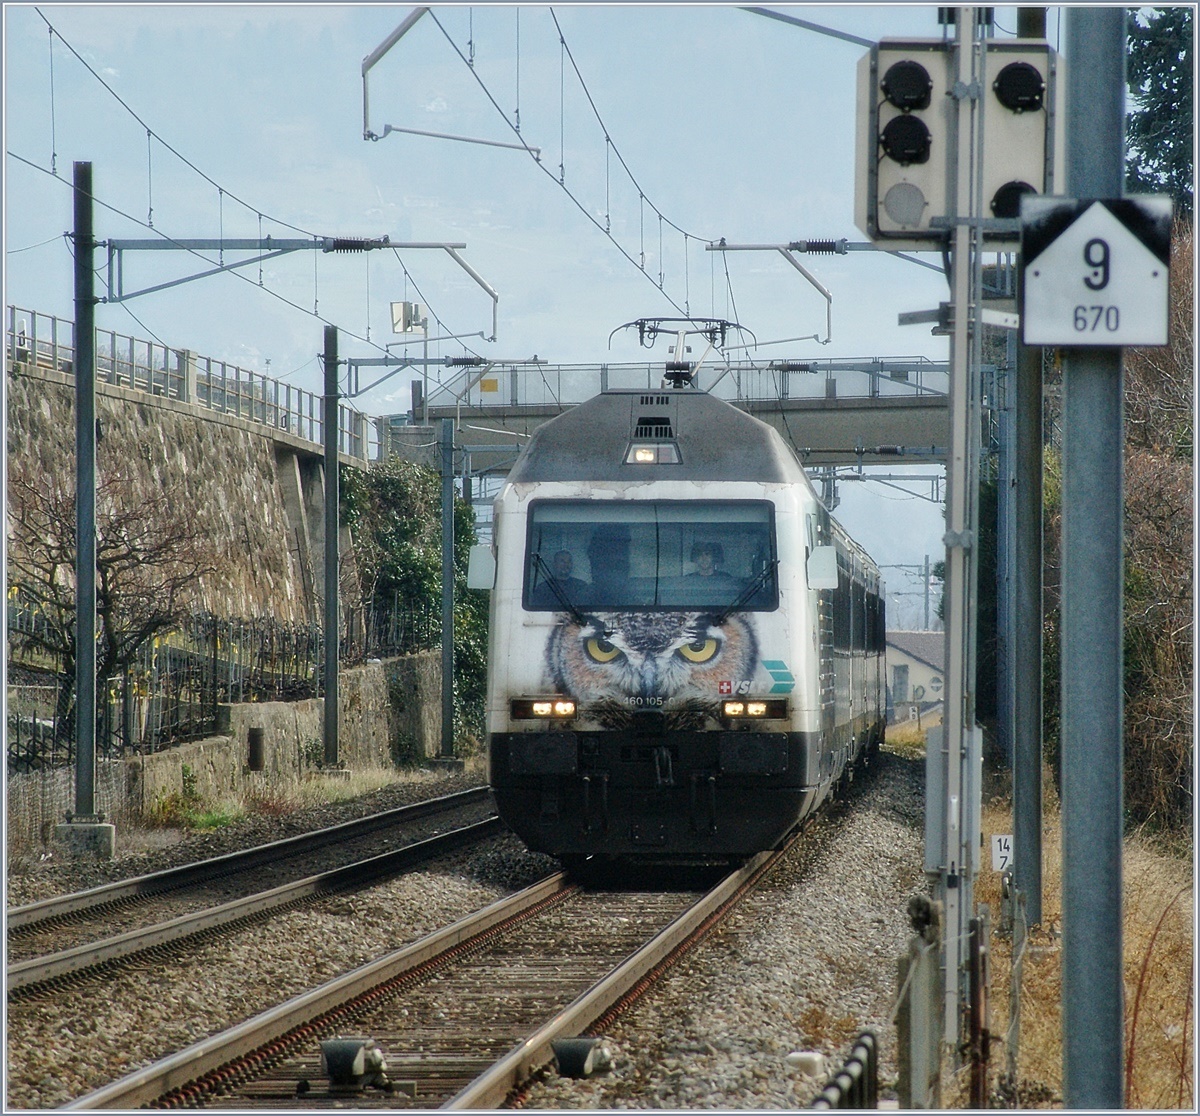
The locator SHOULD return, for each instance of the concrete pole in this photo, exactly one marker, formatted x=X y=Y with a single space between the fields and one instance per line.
x=1092 y=605
x=447 y=443
x=330 y=420
x=1028 y=576
x=85 y=497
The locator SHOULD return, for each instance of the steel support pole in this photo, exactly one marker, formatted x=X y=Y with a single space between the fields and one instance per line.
x=1027 y=582
x=1027 y=635
x=330 y=422
x=85 y=497
x=956 y=876
x=1092 y=605
x=447 y=443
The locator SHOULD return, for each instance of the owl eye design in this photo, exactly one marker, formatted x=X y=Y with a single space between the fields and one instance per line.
x=699 y=650
x=600 y=650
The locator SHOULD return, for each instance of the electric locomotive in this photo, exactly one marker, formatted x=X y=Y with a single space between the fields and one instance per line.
x=686 y=650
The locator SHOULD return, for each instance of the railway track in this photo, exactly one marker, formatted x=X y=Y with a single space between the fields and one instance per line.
x=45 y=921
x=460 y=1018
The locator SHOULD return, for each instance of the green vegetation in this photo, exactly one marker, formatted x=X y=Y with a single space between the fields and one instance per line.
x=394 y=510
x=1160 y=125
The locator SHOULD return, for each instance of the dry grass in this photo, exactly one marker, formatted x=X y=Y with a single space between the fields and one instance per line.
x=1159 y=993
x=907 y=738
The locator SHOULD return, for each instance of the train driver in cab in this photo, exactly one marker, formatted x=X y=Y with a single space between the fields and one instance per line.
x=706 y=556
x=560 y=577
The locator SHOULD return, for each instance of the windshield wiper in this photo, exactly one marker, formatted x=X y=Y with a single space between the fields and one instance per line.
x=558 y=591
x=749 y=591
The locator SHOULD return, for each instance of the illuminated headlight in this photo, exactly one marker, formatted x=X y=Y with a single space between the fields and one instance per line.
x=759 y=710
x=529 y=709
x=652 y=453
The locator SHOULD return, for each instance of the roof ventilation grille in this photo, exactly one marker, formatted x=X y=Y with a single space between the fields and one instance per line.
x=653 y=429
x=655 y=400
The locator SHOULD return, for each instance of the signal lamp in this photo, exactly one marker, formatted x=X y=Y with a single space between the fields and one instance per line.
x=906 y=140
x=1020 y=87
x=905 y=204
x=1007 y=200
x=907 y=85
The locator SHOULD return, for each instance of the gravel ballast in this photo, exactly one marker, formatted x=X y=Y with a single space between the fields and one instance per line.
x=804 y=964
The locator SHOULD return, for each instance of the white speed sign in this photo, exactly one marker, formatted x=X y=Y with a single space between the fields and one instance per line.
x=1095 y=273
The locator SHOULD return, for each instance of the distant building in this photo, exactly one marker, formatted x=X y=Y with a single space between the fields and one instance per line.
x=915 y=674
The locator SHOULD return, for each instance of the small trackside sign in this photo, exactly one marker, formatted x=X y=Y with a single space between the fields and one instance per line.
x=1095 y=272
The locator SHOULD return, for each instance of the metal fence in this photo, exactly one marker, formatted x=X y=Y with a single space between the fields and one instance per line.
x=856 y=1084
x=172 y=691
x=46 y=341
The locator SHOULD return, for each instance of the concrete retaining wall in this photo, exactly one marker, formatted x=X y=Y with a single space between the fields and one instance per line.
x=390 y=715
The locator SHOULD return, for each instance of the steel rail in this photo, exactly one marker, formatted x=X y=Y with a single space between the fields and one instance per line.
x=40 y=970
x=32 y=914
x=178 y=1070
x=489 y=1090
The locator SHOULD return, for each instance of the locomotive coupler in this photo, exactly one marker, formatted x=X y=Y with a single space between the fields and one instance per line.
x=587 y=801
x=697 y=778
x=664 y=770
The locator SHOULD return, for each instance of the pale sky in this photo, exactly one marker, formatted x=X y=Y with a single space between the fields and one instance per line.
x=731 y=124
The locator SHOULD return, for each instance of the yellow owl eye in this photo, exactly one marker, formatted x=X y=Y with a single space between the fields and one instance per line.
x=699 y=651
x=601 y=650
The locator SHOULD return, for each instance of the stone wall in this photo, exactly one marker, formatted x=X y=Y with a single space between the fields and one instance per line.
x=390 y=713
x=258 y=493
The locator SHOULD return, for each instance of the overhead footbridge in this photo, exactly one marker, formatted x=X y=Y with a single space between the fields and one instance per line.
x=832 y=412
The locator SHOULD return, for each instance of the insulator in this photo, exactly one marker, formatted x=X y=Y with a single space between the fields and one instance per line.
x=826 y=247
x=349 y=244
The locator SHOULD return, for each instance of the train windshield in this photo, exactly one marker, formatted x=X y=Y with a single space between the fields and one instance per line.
x=588 y=554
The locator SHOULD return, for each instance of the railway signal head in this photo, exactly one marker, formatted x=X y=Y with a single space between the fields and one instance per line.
x=908 y=98
x=904 y=117
x=1022 y=126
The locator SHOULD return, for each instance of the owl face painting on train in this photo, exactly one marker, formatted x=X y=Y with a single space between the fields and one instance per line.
x=686 y=650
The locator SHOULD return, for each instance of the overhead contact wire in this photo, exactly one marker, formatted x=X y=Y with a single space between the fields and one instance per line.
x=545 y=170
x=182 y=158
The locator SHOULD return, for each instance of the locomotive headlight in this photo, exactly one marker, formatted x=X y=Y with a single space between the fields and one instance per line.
x=536 y=709
x=652 y=453
x=771 y=710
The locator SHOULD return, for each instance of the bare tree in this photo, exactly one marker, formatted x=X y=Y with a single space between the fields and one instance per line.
x=150 y=554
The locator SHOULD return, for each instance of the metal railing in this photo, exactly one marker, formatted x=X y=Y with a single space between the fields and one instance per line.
x=171 y=692
x=566 y=384
x=45 y=341
x=856 y=1084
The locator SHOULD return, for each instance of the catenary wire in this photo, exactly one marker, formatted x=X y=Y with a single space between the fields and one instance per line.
x=545 y=170
x=183 y=158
